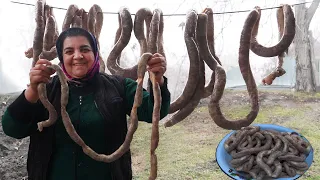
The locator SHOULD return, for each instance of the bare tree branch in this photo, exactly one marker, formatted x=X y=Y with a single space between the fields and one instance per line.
x=311 y=11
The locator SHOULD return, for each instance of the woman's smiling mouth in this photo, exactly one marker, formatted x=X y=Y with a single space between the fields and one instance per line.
x=79 y=64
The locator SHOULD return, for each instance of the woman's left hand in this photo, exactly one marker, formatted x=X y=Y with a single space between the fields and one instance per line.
x=158 y=65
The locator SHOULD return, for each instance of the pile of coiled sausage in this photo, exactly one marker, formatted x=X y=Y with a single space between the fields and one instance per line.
x=267 y=153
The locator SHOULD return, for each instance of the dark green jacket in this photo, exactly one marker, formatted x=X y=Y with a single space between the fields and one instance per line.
x=98 y=112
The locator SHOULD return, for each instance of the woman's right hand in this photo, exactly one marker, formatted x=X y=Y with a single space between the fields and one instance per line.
x=38 y=74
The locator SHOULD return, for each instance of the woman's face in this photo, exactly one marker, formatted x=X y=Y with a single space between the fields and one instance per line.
x=78 y=56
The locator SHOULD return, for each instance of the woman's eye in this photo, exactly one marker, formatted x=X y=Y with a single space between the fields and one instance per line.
x=68 y=52
x=85 y=50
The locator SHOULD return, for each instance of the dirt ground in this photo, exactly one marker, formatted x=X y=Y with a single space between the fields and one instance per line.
x=13 y=152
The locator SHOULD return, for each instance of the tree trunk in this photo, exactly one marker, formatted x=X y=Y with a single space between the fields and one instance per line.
x=306 y=73
x=314 y=63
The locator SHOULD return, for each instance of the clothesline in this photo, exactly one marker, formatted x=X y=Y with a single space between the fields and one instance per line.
x=225 y=12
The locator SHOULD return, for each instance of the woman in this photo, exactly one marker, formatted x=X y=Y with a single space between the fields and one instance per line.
x=98 y=105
